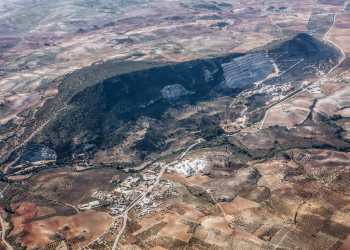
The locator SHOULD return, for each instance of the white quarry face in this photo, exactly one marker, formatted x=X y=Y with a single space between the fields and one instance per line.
x=247 y=69
x=189 y=168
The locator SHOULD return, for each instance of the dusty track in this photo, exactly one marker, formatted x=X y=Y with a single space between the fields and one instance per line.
x=142 y=196
x=3 y=235
x=321 y=80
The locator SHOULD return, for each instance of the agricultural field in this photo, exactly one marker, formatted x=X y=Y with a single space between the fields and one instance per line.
x=174 y=124
x=46 y=211
x=252 y=205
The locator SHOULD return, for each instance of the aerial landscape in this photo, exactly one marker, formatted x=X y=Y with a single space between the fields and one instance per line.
x=174 y=124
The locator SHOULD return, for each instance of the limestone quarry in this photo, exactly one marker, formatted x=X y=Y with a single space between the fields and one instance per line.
x=177 y=124
x=247 y=69
x=189 y=168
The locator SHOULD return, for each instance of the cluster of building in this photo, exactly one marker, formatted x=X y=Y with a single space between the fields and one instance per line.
x=154 y=200
x=316 y=90
x=271 y=89
x=119 y=205
x=319 y=72
x=103 y=195
x=132 y=187
x=275 y=90
x=149 y=175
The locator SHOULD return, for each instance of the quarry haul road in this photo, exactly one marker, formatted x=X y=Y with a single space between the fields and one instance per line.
x=189 y=148
x=141 y=197
x=323 y=78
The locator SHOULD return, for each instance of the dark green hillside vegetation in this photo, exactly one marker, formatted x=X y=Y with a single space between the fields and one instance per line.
x=220 y=24
x=297 y=59
x=276 y=140
x=212 y=131
x=308 y=51
x=99 y=113
x=207 y=6
x=306 y=46
x=211 y=17
x=108 y=103
x=71 y=84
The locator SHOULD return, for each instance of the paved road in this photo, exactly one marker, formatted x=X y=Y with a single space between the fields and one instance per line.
x=267 y=111
x=261 y=126
x=141 y=197
x=303 y=90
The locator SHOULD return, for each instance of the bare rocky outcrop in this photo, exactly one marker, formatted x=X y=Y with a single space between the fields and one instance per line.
x=172 y=92
x=35 y=153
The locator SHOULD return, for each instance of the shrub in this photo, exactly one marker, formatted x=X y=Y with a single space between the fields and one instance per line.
x=212 y=131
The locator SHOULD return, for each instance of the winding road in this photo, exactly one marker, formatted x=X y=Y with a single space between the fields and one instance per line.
x=142 y=196
x=323 y=78
x=3 y=235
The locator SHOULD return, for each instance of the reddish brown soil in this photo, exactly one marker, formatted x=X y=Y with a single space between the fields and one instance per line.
x=218 y=223
x=291 y=193
x=22 y=101
x=174 y=228
x=261 y=230
x=2 y=246
x=199 y=178
x=273 y=183
x=337 y=200
x=346 y=244
x=329 y=159
x=242 y=234
x=175 y=177
x=145 y=224
x=157 y=248
x=18 y=120
x=75 y=188
x=7 y=43
x=291 y=112
x=89 y=224
x=237 y=204
x=191 y=213
x=340 y=32
x=27 y=210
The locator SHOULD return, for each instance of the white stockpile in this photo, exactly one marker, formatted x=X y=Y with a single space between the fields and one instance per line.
x=189 y=168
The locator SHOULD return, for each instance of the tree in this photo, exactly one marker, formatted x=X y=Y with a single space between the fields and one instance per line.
x=212 y=132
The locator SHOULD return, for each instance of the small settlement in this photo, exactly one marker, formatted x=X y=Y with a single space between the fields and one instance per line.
x=154 y=200
x=130 y=189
